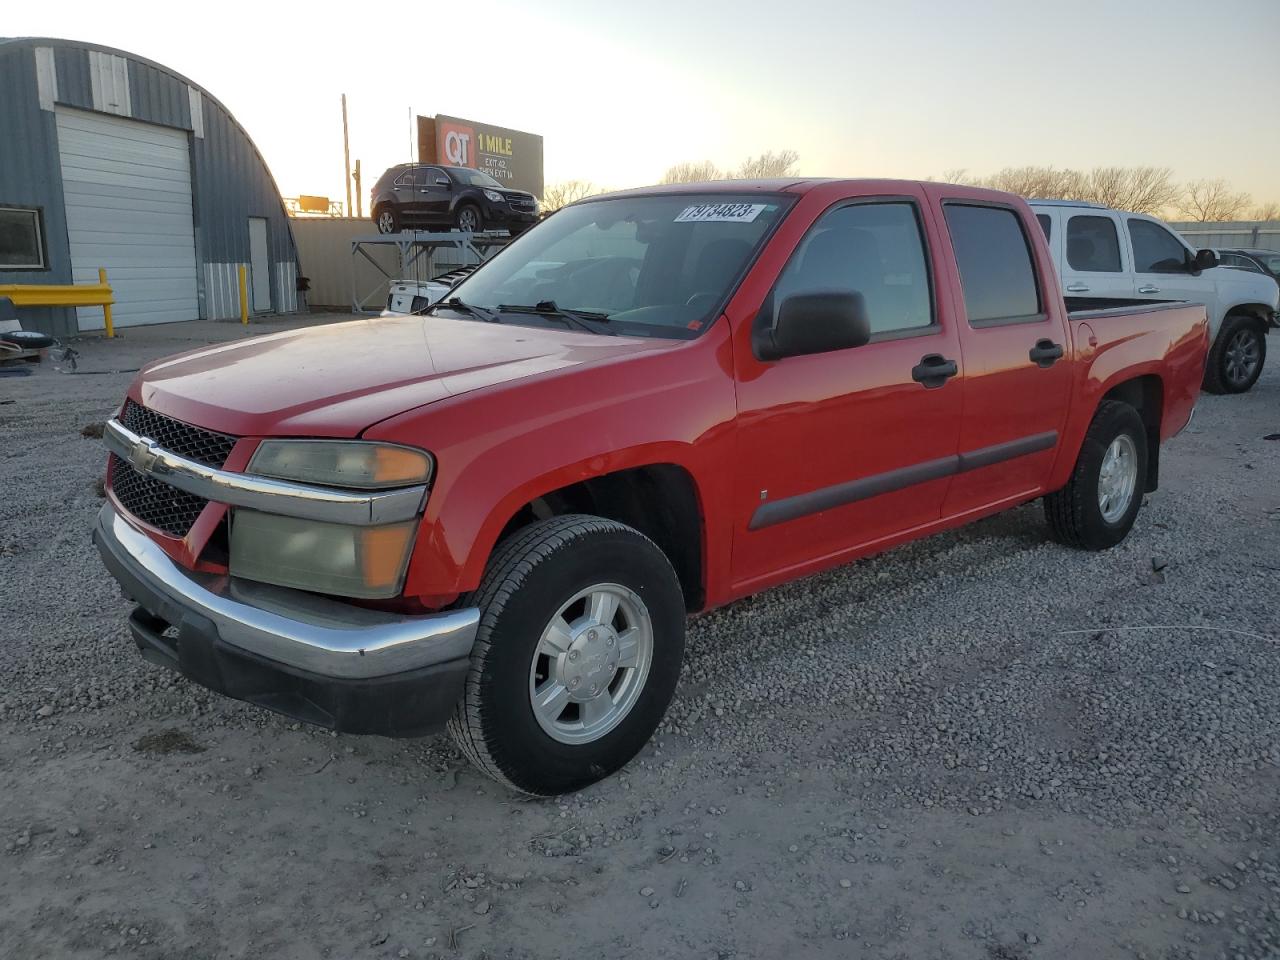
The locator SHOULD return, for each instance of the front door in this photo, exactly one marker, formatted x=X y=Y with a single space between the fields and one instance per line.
x=259 y=266
x=841 y=450
x=1160 y=265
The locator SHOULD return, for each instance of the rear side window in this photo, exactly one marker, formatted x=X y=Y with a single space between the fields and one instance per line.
x=874 y=248
x=1093 y=246
x=1046 y=224
x=994 y=258
x=1155 y=249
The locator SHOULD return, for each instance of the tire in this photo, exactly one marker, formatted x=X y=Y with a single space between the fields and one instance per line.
x=387 y=219
x=469 y=218
x=530 y=579
x=1076 y=513
x=1237 y=355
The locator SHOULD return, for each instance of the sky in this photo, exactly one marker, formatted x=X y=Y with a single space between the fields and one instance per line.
x=621 y=91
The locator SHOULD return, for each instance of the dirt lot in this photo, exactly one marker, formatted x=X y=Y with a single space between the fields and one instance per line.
x=978 y=746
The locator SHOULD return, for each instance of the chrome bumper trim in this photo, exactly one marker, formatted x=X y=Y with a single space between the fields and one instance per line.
x=362 y=508
x=289 y=627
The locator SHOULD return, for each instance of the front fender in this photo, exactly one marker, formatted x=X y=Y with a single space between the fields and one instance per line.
x=500 y=448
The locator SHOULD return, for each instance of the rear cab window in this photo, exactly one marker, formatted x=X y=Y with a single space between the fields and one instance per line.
x=993 y=254
x=1093 y=244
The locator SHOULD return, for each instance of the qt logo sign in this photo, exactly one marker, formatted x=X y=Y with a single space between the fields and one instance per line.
x=458 y=144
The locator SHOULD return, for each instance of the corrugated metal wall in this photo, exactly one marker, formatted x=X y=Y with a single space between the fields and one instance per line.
x=231 y=181
x=324 y=257
x=1258 y=234
x=30 y=177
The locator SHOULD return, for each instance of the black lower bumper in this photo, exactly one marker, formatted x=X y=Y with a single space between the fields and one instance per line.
x=407 y=704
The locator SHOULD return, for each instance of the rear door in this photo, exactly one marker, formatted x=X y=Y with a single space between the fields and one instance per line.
x=1095 y=261
x=840 y=450
x=1014 y=342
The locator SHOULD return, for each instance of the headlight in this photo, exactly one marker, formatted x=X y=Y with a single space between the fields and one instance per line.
x=342 y=463
x=365 y=562
x=349 y=561
x=494 y=195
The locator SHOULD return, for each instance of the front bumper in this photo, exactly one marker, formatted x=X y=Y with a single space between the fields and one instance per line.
x=329 y=663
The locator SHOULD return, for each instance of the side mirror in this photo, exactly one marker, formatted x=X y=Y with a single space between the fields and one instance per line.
x=814 y=323
x=442 y=181
x=1204 y=260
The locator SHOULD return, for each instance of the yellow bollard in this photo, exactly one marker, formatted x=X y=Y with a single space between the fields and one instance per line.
x=106 y=307
x=244 y=296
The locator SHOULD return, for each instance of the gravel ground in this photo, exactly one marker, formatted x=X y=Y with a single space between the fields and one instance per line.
x=980 y=745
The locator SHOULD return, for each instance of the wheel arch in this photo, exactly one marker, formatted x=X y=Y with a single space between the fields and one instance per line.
x=662 y=500
x=1145 y=393
x=1258 y=312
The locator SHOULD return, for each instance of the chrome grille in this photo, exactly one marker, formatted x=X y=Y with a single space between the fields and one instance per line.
x=153 y=501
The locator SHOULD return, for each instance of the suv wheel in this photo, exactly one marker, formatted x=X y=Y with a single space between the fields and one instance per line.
x=387 y=219
x=1236 y=357
x=1097 y=507
x=577 y=656
x=469 y=219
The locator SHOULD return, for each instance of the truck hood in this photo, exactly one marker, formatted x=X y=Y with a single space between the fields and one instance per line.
x=337 y=380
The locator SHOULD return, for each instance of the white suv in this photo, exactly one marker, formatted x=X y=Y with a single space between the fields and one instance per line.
x=1113 y=255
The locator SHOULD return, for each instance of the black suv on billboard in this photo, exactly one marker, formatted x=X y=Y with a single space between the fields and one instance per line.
x=417 y=195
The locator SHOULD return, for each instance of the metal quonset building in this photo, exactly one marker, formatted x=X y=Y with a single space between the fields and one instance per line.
x=110 y=160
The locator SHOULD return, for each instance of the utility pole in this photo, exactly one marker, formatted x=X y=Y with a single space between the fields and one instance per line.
x=359 y=191
x=346 y=152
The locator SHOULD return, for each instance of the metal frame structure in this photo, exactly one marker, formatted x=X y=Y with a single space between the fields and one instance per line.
x=412 y=245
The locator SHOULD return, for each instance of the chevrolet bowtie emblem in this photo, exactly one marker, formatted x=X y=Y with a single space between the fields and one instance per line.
x=143 y=455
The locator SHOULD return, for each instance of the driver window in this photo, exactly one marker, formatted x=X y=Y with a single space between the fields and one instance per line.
x=874 y=248
x=1155 y=249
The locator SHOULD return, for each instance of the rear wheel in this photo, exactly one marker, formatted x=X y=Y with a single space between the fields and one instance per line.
x=387 y=220
x=1097 y=507
x=1236 y=357
x=577 y=656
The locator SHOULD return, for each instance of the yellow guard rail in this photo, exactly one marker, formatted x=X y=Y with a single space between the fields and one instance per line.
x=65 y=295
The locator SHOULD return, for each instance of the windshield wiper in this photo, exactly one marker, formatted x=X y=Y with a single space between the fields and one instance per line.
x=582 y=319
x=454 y=303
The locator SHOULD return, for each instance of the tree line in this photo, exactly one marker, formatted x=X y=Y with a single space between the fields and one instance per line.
x=1151 y=190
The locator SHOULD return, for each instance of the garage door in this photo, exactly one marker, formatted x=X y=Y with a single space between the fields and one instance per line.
x=128 y=196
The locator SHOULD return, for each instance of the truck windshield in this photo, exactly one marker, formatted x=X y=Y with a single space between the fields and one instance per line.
x=657 y=266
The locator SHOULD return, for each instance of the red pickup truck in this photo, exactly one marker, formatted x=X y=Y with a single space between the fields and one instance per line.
x=496 y=515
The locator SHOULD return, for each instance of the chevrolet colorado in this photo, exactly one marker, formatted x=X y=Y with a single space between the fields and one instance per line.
x=496 y=516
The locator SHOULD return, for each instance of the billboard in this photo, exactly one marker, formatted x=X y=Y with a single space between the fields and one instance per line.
x=511 y=157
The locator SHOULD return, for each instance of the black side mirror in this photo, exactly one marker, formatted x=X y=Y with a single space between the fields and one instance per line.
x=814 y=323
x=1204 y=260
x=442 y=181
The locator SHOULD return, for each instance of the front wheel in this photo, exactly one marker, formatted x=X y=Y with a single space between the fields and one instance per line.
x=469 y=219
x=1236 y=357
x=1097 y=507
x=577 y=656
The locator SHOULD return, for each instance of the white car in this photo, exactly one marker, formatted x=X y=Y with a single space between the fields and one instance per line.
x=1105 y=254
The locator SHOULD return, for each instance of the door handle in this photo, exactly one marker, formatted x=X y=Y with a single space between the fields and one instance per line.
x=934 y=370
x=1148 y=288
x=1046 y=353
x=1077 y=288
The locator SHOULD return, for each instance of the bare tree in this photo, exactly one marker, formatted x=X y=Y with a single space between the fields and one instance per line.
x=1266 y=211
x=956 y=175
x=768 y=164
x=562 y=194
x=692 y=173
x=1140 y=189
x=1212 y=200
x=1044 y=183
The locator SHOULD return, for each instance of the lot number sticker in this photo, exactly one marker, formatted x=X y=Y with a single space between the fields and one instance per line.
x=721 y=213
